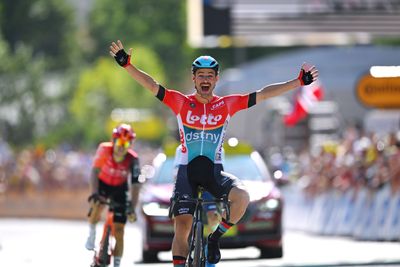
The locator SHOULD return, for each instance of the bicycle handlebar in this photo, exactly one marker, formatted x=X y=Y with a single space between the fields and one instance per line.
x=224 y=200
x=112 y=204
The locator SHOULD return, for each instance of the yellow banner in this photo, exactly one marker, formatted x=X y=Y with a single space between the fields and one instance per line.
x=379 y=92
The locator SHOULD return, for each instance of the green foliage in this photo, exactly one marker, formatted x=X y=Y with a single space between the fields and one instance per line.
x=160 y=25
x=28 y=108
x=239 y=149
x=38 y=47
x=47 y=26
x=151 y=129
x=387 y=41
x=105 y=87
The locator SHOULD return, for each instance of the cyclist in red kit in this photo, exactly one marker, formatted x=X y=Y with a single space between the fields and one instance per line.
x=115 y=172
x=203 y=118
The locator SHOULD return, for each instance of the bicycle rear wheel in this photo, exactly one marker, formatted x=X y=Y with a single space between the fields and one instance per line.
x=198 y=259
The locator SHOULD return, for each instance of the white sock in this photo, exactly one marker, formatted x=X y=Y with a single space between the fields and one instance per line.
x=91 y=238
x=92 y=229
x=117 y=261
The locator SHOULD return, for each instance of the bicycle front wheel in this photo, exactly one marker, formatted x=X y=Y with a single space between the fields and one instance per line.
x=198 y=259
x=104 y=257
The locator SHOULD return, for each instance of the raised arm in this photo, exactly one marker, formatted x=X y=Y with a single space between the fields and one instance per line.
x=124 y=60
x=306 y=76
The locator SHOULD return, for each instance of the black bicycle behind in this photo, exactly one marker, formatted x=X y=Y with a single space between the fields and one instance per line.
x=196 y=256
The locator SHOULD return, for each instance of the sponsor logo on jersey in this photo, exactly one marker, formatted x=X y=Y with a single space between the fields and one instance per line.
x=202 y=136
x=182 y=139
x=218 y=105
x=183 y=210
x=115 y=172
x=204 y=119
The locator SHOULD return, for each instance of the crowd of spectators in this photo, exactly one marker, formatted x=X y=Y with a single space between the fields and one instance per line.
x=345 y=187
x=40 y=169
x=357 y=161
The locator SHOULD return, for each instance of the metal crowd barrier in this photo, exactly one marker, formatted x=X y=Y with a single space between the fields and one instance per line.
x=362 y=214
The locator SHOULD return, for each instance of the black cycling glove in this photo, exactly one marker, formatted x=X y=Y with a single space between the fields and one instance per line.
x=95 y=197
x=122 y=58
x=305 y=77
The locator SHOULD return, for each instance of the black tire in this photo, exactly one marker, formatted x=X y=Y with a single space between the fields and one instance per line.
x=149 y=256
x=189 y=258
x=271 y=253
x=198 y=260
x=104 y=258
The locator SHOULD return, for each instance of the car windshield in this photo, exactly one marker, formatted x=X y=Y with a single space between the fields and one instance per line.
x=242 y=166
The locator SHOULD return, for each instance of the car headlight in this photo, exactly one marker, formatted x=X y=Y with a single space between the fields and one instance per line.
x=270 y=204
x=155 y=209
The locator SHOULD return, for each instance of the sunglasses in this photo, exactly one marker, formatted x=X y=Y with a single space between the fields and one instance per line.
x=122 y=143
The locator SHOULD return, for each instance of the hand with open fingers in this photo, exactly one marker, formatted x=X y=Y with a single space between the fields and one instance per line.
x=308 y=74
x=118 y=53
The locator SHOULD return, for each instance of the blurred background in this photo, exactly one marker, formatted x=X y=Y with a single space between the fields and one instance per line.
x=61 y=94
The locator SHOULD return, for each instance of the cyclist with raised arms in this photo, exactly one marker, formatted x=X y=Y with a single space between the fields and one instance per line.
x=115 y=172
x=202 y=119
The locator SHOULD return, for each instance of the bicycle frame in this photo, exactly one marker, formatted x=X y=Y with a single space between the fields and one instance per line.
x=196 y=256
x=103 y=254
x=107 y=242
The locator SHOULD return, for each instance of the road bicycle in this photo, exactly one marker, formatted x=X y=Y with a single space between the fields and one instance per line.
x=197 y=254
x=104 y=251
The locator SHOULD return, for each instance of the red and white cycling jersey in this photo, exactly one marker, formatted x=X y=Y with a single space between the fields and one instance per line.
x=202 y=127
x=111 y=172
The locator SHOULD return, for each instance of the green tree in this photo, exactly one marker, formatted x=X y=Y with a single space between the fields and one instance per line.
x=160 y=25
x=104 y=87
x=29 y=98
x=47 y=26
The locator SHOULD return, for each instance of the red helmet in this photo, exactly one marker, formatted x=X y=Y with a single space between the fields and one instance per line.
x=124 y=132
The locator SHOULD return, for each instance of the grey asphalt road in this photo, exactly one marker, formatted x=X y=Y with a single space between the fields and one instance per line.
x=45 y=243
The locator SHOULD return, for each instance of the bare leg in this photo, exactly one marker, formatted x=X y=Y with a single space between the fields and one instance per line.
x=240 y=199
x=119 y=238
x=182 y=225
x=94 y=218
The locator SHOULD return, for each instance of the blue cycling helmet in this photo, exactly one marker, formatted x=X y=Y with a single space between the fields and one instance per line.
x=205 y=62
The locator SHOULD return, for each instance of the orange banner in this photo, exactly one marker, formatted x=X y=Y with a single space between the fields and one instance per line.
x=379 y=92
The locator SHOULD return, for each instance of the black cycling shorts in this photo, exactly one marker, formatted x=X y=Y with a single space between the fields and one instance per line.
x=119 y=194
x=201 y=171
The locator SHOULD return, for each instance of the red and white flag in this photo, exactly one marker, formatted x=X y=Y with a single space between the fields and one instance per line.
x=304 y=99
